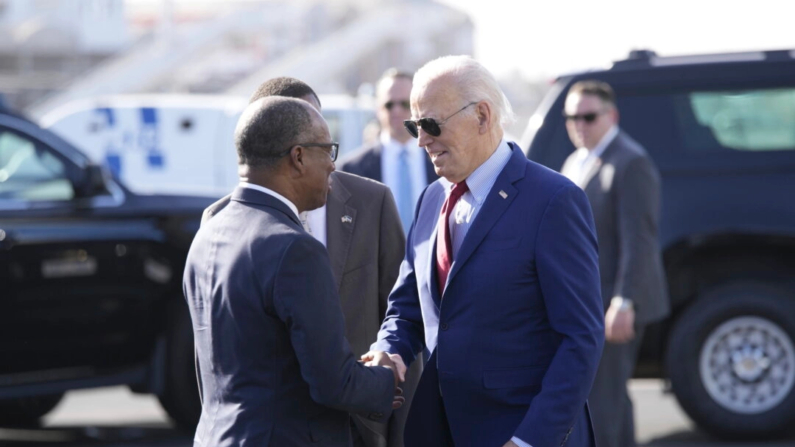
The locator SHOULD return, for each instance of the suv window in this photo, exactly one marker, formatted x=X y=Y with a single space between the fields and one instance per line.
x=751 y=120
x=30 y=173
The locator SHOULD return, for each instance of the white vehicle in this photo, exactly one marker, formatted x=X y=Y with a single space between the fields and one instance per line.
x=179 y=144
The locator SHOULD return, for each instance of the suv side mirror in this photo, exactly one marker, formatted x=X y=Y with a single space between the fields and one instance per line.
x=92 y=182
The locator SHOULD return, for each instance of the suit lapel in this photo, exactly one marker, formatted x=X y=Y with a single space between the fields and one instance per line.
x=498 y=200
x=340 y=222
x=597 y=164
x=373 y=164
x=437 y=298
x=430 y=172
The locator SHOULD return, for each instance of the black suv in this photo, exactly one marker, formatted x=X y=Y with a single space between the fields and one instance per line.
x=721 y=129
x=91 y=280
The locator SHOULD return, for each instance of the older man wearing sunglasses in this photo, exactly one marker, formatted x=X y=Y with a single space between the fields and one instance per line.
x=500 y=282
x=623 y=187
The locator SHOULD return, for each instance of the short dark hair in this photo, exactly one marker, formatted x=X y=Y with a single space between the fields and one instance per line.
x=283 y=86
x=600 y=89
x=268 y=127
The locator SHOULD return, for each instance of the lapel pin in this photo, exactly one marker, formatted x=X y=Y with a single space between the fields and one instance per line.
x=503 y=194
x=347 y=219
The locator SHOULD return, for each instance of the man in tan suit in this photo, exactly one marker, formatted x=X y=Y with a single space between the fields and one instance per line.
x=361 y=230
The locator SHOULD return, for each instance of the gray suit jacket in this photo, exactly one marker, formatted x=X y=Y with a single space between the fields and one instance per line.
x=623 y=187
x=275 y=366
x=365 y=244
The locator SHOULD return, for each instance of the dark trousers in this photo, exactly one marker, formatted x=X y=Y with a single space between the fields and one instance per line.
x=611 y=407
x=426 y=424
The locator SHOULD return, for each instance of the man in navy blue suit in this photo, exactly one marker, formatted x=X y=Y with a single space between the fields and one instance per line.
x=274 y=363
x=500 y=281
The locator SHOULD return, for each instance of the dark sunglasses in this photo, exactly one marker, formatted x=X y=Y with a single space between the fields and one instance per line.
x=587 y=117
x=390 y=104
x=430 y=125
x=334 y=149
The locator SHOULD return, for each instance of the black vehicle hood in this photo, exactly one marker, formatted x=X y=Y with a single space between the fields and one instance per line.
x=168 y=204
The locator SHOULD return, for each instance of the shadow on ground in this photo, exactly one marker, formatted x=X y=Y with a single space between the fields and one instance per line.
x=697 y=438
x=95 y=436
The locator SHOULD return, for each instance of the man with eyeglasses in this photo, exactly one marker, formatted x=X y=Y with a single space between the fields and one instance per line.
x=623 y=187
x=274 y=363
x=395 y=160
x=360 y=227
x=500 y=281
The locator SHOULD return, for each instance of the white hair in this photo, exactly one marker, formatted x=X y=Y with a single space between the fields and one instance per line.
x=474 y=83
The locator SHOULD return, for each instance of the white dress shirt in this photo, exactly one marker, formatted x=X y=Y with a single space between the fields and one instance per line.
x=479 y=183
x=584 y=158
x=316 y=219
x=390 y=164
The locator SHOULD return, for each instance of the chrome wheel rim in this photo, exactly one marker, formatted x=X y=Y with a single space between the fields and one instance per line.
x=747 y=365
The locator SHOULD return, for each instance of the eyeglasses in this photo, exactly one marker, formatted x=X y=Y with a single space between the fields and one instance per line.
x=389 y=104
x=587 y=117
x=334 y=149
x=429 y=125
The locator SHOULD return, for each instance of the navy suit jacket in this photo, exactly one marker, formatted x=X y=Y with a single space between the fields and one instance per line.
x=366 y=162
x=517 y=336
x=274 y=363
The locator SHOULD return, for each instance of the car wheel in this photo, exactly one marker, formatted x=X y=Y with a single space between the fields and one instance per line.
x=731 y=360
x=180 y=397
x=26 y=411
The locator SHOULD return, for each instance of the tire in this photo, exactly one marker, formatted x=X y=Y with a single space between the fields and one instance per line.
x=180 y=397
x=731 y=360
x=26 y=411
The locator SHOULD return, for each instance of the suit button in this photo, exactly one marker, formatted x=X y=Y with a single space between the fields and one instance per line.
x=444 y=326
x=376 y=416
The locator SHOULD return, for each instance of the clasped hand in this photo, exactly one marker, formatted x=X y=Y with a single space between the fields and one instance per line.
x=395 y=363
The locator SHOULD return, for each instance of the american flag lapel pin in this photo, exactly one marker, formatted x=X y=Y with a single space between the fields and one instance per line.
x=347 y=219
x=503 y=194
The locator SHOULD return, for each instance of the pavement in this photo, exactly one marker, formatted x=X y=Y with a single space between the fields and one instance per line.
x=115 y=417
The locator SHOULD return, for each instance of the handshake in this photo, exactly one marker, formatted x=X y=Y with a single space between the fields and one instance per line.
x=393 y=362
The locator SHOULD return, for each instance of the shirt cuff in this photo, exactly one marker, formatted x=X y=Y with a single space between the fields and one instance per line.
x=519 y=442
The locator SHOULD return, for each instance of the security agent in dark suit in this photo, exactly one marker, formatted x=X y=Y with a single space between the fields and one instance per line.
x=358 y=211
x=274 y=363
x=396 y=160
x=623 y=187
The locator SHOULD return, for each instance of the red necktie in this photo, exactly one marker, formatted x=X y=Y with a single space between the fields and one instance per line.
x=444 y=244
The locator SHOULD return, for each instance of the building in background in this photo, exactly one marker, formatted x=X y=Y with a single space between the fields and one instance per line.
x=44 y=44
x=224 y=47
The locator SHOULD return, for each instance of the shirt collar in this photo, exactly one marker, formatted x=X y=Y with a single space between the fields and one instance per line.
x=608 y=138
x=272 y=193
x=482 y=179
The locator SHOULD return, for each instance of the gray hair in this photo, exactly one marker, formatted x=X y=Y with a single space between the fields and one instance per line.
x=268 y=127
x=474 y=82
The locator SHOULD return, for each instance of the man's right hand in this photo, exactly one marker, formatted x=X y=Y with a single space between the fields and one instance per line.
x=396 y=360
x=381 y=358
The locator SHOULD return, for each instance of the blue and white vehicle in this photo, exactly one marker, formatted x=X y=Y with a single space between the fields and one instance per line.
x=179 y=144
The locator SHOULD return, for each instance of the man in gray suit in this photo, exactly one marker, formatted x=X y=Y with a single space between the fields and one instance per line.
x=623 y=186
x=396 y=159
x=274 y=364
x=360 y=227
